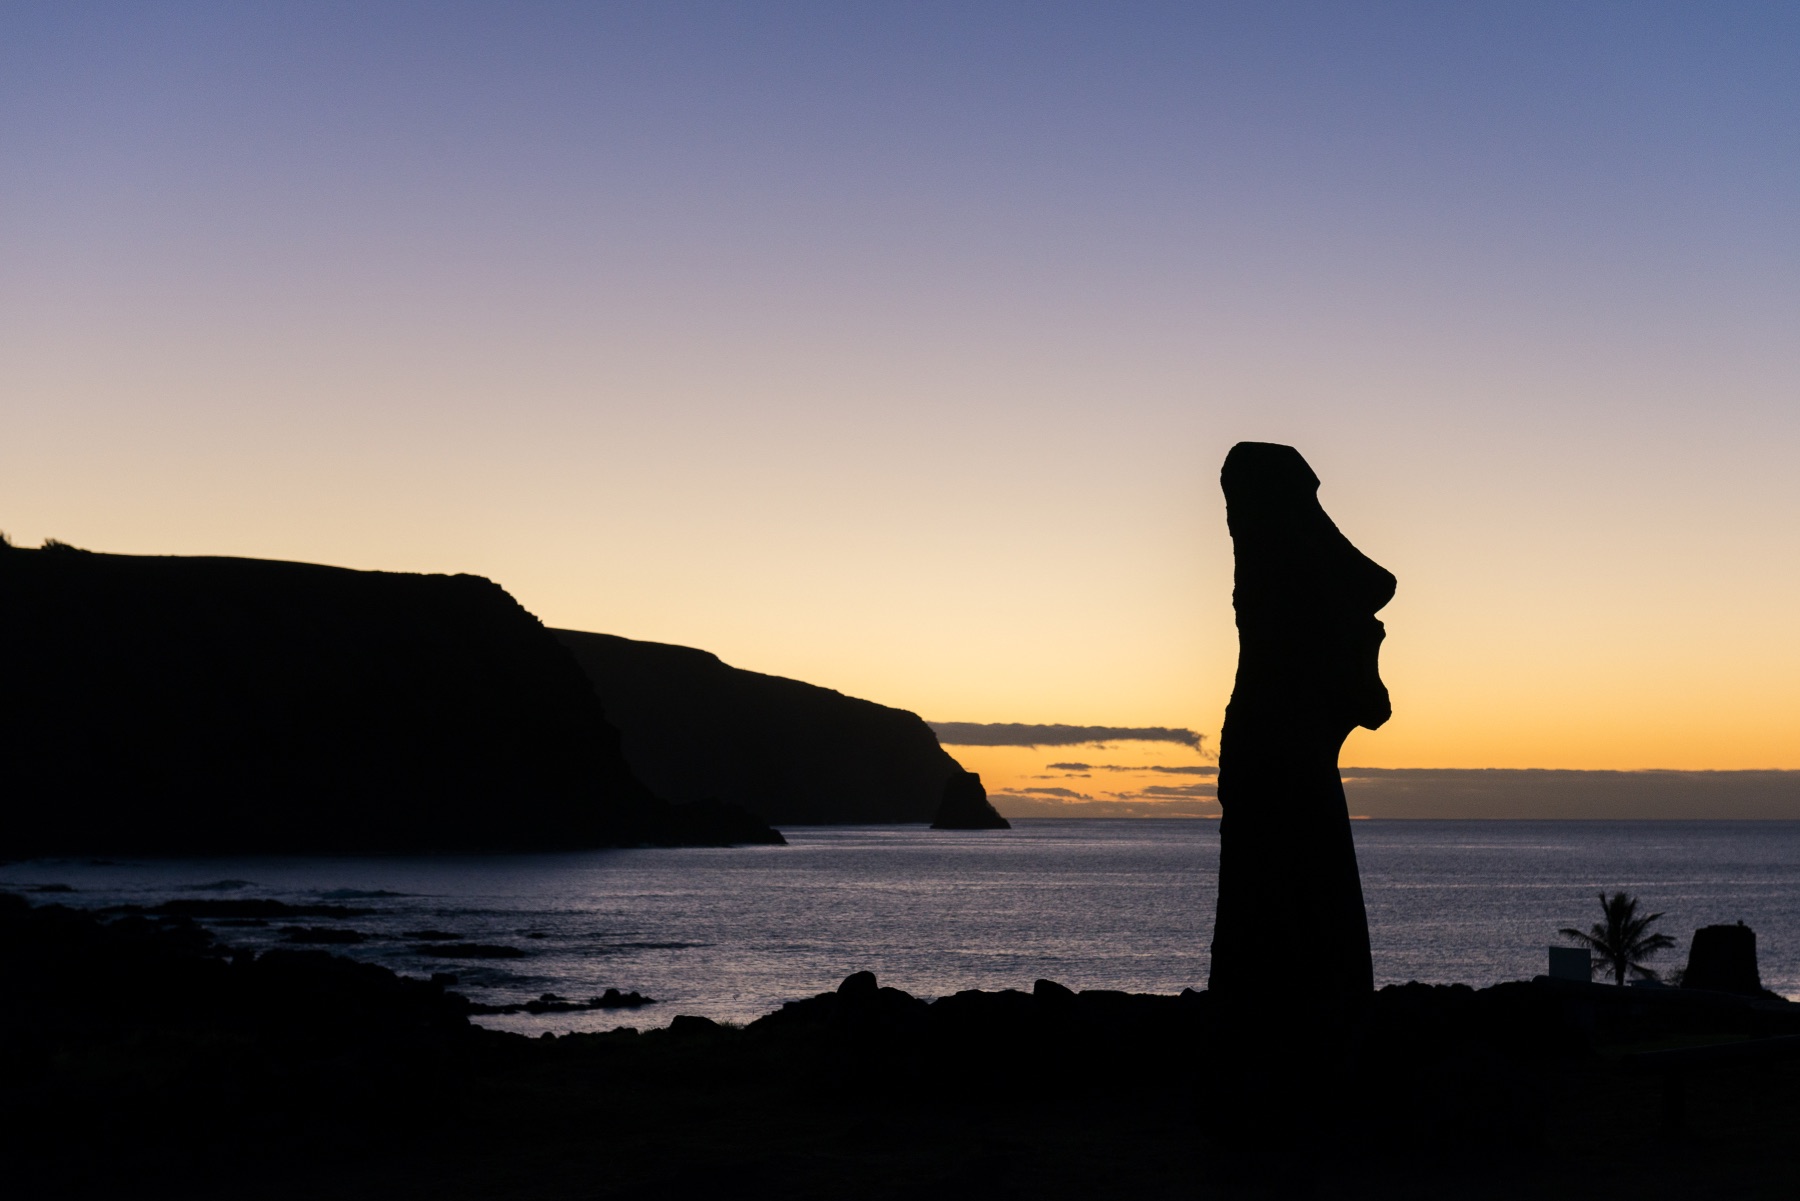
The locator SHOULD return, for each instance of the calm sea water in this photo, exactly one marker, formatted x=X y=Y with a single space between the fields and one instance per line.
x=731 y=934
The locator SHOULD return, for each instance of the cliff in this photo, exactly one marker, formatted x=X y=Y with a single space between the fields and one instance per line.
x=164 y=705
x=966 y=807
x=695 y=728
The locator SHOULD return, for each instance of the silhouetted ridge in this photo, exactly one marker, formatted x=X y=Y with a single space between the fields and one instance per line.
x=694 y=728
x=204 y=705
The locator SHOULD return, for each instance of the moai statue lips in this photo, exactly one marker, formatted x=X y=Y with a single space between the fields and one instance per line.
x=1308 y=673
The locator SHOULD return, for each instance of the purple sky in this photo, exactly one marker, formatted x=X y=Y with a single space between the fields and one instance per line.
x=896 y=347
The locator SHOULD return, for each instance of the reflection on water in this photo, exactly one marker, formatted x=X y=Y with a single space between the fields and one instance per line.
x=730 y=934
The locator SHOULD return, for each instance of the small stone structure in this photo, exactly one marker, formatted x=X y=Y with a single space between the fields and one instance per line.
x=1571 y=963
x=1723 y=959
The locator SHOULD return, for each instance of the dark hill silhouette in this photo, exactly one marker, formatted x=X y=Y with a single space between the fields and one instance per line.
x=696 y=728
x=212 y=705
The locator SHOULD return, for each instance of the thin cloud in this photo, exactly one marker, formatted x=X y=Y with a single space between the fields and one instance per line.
x=1202 y=770
x=1016 y=805
x=1012 y=733
x=1498 y=792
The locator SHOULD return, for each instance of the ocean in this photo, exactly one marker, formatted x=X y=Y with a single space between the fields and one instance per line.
x=730 y=934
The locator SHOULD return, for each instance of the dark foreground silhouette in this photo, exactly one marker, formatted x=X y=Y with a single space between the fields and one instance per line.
x=1290 y=898
x=140 y=1058
x=213 y=705
x=693 y=727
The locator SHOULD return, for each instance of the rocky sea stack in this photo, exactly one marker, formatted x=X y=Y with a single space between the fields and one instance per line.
x=965 y=806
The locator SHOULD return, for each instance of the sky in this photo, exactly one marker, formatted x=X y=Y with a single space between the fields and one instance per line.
x=896 y=347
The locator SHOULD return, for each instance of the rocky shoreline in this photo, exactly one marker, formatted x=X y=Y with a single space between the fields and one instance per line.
x=187 y=1060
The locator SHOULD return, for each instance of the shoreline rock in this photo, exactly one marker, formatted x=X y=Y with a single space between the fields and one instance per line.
x=550 y=1002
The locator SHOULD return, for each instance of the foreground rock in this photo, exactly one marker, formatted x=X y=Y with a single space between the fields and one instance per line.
x=140 y=1058
x=549 y=1002
x=209 y=705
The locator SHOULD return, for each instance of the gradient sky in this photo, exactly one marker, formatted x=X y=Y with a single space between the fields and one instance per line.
x=897 y=347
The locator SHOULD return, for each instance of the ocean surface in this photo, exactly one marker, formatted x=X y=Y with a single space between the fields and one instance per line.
x=1125 y=904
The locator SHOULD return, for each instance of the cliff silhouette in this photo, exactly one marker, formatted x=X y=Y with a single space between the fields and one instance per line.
x=696 y=728
x=217 y=705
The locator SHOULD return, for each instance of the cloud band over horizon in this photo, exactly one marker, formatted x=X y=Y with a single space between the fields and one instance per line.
x=1482 y=794
x=1012 y=733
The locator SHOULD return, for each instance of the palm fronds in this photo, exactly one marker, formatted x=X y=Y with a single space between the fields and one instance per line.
x=1624 y=940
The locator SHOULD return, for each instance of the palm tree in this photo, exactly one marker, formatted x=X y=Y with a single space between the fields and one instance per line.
x=1623 y=939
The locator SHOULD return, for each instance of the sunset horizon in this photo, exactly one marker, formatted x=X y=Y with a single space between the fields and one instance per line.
x=791 y=600
x=632 y=317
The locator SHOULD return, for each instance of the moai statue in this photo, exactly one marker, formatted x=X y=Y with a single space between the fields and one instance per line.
x=1291 y=937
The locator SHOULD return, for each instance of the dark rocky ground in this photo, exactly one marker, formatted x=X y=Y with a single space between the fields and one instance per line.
x=139 y=1058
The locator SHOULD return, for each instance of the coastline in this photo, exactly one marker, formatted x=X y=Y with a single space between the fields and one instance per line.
x=732 y=933
x=296 y=1072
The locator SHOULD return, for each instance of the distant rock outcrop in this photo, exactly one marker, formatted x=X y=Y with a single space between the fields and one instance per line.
x=694 y=728
x=1307 y=674
x=965 y=806
x=215 y=705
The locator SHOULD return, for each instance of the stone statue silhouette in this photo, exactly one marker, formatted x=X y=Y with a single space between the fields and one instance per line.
x=1291 y=931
